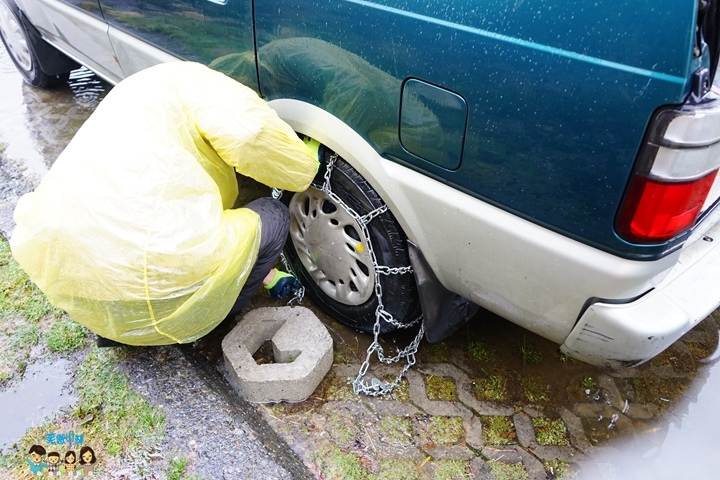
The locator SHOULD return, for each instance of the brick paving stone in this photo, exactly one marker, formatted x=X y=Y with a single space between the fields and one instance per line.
x=524 y=429
x=480 y=469
x=610 y=391
x=575 y=430
x=515 y=454
x=564 y=454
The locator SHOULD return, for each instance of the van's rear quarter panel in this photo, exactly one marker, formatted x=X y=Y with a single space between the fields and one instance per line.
x=559 y=93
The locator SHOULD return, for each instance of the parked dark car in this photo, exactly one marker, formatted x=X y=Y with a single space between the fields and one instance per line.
x=554 y=162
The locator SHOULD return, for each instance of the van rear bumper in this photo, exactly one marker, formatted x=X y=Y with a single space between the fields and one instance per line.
x=626 y=334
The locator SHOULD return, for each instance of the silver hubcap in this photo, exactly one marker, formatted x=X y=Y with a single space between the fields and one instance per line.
x=14 y=38
x=332 y=247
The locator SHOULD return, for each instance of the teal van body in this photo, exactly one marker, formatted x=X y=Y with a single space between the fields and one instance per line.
x=555 y=96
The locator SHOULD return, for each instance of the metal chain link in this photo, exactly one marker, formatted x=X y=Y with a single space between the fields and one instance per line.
x=375 y=387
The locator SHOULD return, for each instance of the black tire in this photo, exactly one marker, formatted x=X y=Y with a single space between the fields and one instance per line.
x=22 y=45
x=354 y=307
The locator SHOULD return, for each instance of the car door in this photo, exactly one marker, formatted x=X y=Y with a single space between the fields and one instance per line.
x=76 y=27
x=146 y=32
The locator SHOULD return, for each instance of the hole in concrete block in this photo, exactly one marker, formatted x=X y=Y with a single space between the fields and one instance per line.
x=264 y=354
x=267 y=354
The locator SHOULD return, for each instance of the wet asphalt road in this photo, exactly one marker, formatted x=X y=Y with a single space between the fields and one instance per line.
x=223 y=436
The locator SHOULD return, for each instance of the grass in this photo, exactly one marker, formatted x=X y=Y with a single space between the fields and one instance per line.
x=588 y=383
x=18 y=294
x=177 y=470
x=481 y=352
x=23 y=313
x=441 y=388
x=451 y=470
x=498 y=430
x=343 y=428
x=492 y=388
x=508 y=471
x=398 y=469
x=534 y=388
x=333 y=463
x=437 y=352
x=564 y=358
x=344 y=353
x=396 y=430
x=561 y=470
x=110 y=416
x=334 y=387
x=122 y=419
x=16 y=340
x=65 y=336
x=529 y=353
x=550 y=432
x=446 y=430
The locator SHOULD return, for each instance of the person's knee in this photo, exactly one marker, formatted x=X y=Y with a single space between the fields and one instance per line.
x=273 y=210
x=274 y=220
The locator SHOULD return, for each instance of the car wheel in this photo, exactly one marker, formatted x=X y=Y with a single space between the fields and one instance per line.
x=18 y=43
x=330 y=251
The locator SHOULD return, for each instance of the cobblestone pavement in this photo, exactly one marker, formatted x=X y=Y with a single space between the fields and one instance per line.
x=480 y=406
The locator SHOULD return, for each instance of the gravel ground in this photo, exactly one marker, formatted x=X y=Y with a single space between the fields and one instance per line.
x=221 y=435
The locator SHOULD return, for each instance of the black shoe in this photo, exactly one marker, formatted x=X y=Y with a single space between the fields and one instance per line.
x=103 y=342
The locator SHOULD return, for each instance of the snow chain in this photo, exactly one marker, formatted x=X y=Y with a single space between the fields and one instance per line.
x=375 y=387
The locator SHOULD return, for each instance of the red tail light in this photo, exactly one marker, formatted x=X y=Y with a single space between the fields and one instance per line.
x=661 y=211
x=675 y=177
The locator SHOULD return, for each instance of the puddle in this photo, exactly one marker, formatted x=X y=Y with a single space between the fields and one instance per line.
x=684 y=447
x=35 y=127
x=40 y=395
x=87 y=89
x=15 y=136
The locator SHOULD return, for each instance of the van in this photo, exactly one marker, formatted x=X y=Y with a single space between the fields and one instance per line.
x=553 y=162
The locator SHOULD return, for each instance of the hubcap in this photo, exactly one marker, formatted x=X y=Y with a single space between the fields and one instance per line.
x=332 y=247
x=14 y=38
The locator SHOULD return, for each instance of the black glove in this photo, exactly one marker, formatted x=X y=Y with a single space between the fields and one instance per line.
x=283 y=285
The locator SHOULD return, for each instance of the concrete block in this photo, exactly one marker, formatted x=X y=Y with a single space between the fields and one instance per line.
x=302 y=350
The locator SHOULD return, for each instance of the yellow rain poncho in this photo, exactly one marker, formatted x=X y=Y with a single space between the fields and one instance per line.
x=132 y=231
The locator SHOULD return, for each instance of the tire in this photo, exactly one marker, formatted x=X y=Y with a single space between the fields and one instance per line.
x=328 y=251
x=20 y=43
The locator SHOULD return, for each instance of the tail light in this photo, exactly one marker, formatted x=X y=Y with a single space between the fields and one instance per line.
x=676 y=176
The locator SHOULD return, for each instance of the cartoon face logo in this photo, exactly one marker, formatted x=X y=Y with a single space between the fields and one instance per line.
x=36 y=454
x=87 y=459
x=53 y=463
x=69 y=463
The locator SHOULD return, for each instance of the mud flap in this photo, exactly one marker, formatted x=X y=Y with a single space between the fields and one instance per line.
x=443 y=311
